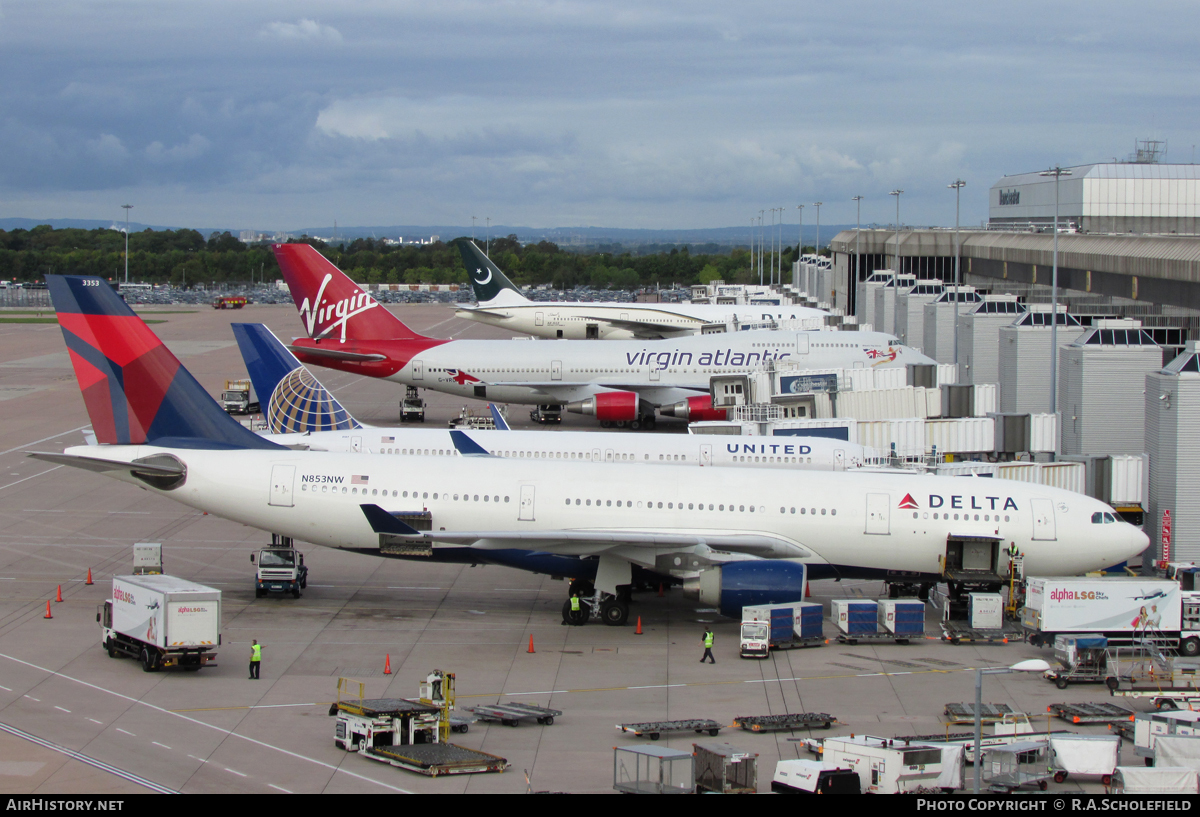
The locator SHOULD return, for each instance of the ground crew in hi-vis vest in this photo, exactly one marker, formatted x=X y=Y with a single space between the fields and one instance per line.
x=255 y=659
x=709 y=637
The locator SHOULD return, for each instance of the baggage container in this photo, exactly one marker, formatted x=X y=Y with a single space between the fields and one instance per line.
x=855 y=616
x=902 y=617
x=985 y=611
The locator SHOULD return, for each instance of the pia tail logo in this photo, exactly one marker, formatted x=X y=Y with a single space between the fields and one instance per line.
x=909 y=503
x=880 y=356
x=326 y=318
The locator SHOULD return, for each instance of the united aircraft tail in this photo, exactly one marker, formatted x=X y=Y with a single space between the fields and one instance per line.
x=293 y=400
x=135 y=390
x=331 y=305
x=488 y=282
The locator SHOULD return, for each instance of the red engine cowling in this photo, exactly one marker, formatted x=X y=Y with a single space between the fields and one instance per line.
x=694 y=409
x=609 y=406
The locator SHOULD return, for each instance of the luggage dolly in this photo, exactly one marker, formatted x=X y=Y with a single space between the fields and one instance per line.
x=655 y=729
x=511 y=714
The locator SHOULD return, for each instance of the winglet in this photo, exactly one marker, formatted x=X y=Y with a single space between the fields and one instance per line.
x=501 y=423
x=383 y=522
x=466 y=446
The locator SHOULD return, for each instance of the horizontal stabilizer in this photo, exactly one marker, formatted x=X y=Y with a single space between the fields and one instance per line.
x=317 y=351
x=466 y=446
x=383 y=522
x=498 y=418
x=100 y=465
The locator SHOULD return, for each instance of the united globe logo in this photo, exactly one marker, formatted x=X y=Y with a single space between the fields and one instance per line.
x=299 y=403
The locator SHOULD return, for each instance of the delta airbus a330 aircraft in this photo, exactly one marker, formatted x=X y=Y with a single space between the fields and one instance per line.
x=617 y=381
x=502 y=304
x=729 y=534
x=301 y=413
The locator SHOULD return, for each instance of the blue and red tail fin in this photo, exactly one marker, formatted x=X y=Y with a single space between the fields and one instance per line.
x=135 y=390
x=293 y=400
x=330 y=304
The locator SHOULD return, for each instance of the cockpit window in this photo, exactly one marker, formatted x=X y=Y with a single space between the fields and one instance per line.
x=1097 y=518
x=1108 y=517
x=1105 y=518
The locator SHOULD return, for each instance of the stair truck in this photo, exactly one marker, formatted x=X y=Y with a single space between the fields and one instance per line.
x=162 y=621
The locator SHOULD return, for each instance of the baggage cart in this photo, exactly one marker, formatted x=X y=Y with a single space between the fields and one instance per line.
x=989 y=713
x=723 y=769
x=652 y=770
x=1095 y=755
x=785 y=723
x=1090 y=713
x=1008 y=768
x=655 y=729
x=958 y=632
x=511 y=714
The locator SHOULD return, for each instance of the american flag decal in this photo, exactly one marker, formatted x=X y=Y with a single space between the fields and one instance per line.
x=387 y=439
x=359 y=480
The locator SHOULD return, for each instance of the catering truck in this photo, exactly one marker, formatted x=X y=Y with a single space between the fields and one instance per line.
x=162 y=621
x=1123 y=609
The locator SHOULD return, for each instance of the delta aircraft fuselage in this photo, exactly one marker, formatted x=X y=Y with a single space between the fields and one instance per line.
x=840 y=524
x=534 y=372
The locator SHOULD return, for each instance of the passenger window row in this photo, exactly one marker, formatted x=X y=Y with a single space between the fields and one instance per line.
x=966 y=517
x=402 y=494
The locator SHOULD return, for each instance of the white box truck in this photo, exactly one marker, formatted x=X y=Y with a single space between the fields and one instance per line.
x=1123 y=609
x=893 y=766
x=162 y=621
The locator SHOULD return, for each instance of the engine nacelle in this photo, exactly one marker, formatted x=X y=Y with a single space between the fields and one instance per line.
x=609 y=406
x=694 y=409
x=733 y=586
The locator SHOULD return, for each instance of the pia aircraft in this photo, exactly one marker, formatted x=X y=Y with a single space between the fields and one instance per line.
x=620 y=382
x=301 y=413
x=728 y=534
x=502 y=304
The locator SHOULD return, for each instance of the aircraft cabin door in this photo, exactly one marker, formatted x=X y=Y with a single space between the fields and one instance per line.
x=539 y=319
x=801 y=344
x=1043 y=519
x=418 y=369
x=356 y=445
x=283 y=478
x=879 y=513
x=556 y=370
x=654 y=373
x=705 y=455
x=526 y=511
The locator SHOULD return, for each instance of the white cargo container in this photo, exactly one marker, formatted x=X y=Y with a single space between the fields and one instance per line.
x=1117 y=607
x=1161 y=780
x=163 y=621
x=147 y=557
x=891 y=766
x=985 y=611
x=1148 y=727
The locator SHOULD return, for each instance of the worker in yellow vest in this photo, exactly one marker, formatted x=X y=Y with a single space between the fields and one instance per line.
x=709 y=637
x=255 y=659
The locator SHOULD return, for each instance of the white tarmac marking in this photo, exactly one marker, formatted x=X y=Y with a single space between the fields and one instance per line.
x=63 y=708
x=156 y=743
x=93 y=720
x=201 y=723
x=42 y=473
x=234 y=771
x=44 y=439
x=123 y=732
x=202 y=760
x=280 y=788
x=6 y=689
x=30 y=697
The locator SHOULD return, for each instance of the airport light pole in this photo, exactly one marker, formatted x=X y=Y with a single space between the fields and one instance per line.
x=127 y=208
x=760 y=246
x=1032 y=665
x=857 y=243
x=752 y=245
x=1057 y=173
x=897 y=193
x=771 y=260
x=818 y=206
x=487 y=242
x=473 y=219
x=957 y=185
x=800 y=233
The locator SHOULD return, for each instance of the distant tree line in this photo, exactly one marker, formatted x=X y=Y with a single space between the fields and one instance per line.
x=185 y=257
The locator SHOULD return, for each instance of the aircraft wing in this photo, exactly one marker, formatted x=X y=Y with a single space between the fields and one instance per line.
x=590 y=541
x=356 y=357
x=646 y=330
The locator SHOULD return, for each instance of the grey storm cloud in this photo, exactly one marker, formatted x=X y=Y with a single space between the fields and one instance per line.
x=554 y=112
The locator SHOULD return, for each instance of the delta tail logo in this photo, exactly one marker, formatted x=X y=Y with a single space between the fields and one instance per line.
x=909 y=503
x=880 y=357
x=326 y=317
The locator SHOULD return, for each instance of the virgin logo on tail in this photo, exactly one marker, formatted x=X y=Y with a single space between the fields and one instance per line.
x=909 y=503
x=319 y=313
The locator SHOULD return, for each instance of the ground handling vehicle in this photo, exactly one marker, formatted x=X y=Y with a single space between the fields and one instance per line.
x=1077 y=755
x=1145 y=671
x=162 y=621
x=230 y=302
x=546 y=415
x=280 y=569
x=239 y=397
x=1148 y=727
x=1083 y=660
x=813 y=777
x=780 y=627
x=412 y=407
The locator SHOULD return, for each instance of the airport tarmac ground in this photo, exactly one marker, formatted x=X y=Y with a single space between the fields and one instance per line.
x=78 y=721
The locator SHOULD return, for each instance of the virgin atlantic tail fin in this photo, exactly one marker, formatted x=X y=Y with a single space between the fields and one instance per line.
x=135 y=390
x=330 y=304
x=293 y=400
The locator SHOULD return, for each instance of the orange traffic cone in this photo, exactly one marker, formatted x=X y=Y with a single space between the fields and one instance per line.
x=47 y=611
x=89 y=578
x=638 y=631
x=530 y=645
x=58 y=597
x=387 y=664
x=660 y=592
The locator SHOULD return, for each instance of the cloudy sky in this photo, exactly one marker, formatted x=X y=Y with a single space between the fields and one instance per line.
x=545 y=113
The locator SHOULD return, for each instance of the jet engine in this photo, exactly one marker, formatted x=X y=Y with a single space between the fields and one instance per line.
x=609 y=406
x=733 y=586
x=694 y=409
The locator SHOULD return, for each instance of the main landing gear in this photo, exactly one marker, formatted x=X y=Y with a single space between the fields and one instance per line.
x=595 y=604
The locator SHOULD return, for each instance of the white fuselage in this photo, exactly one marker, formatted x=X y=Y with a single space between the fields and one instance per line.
x=813 y=453
x=661 y=371
x=623 y=321
x=822 y=518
